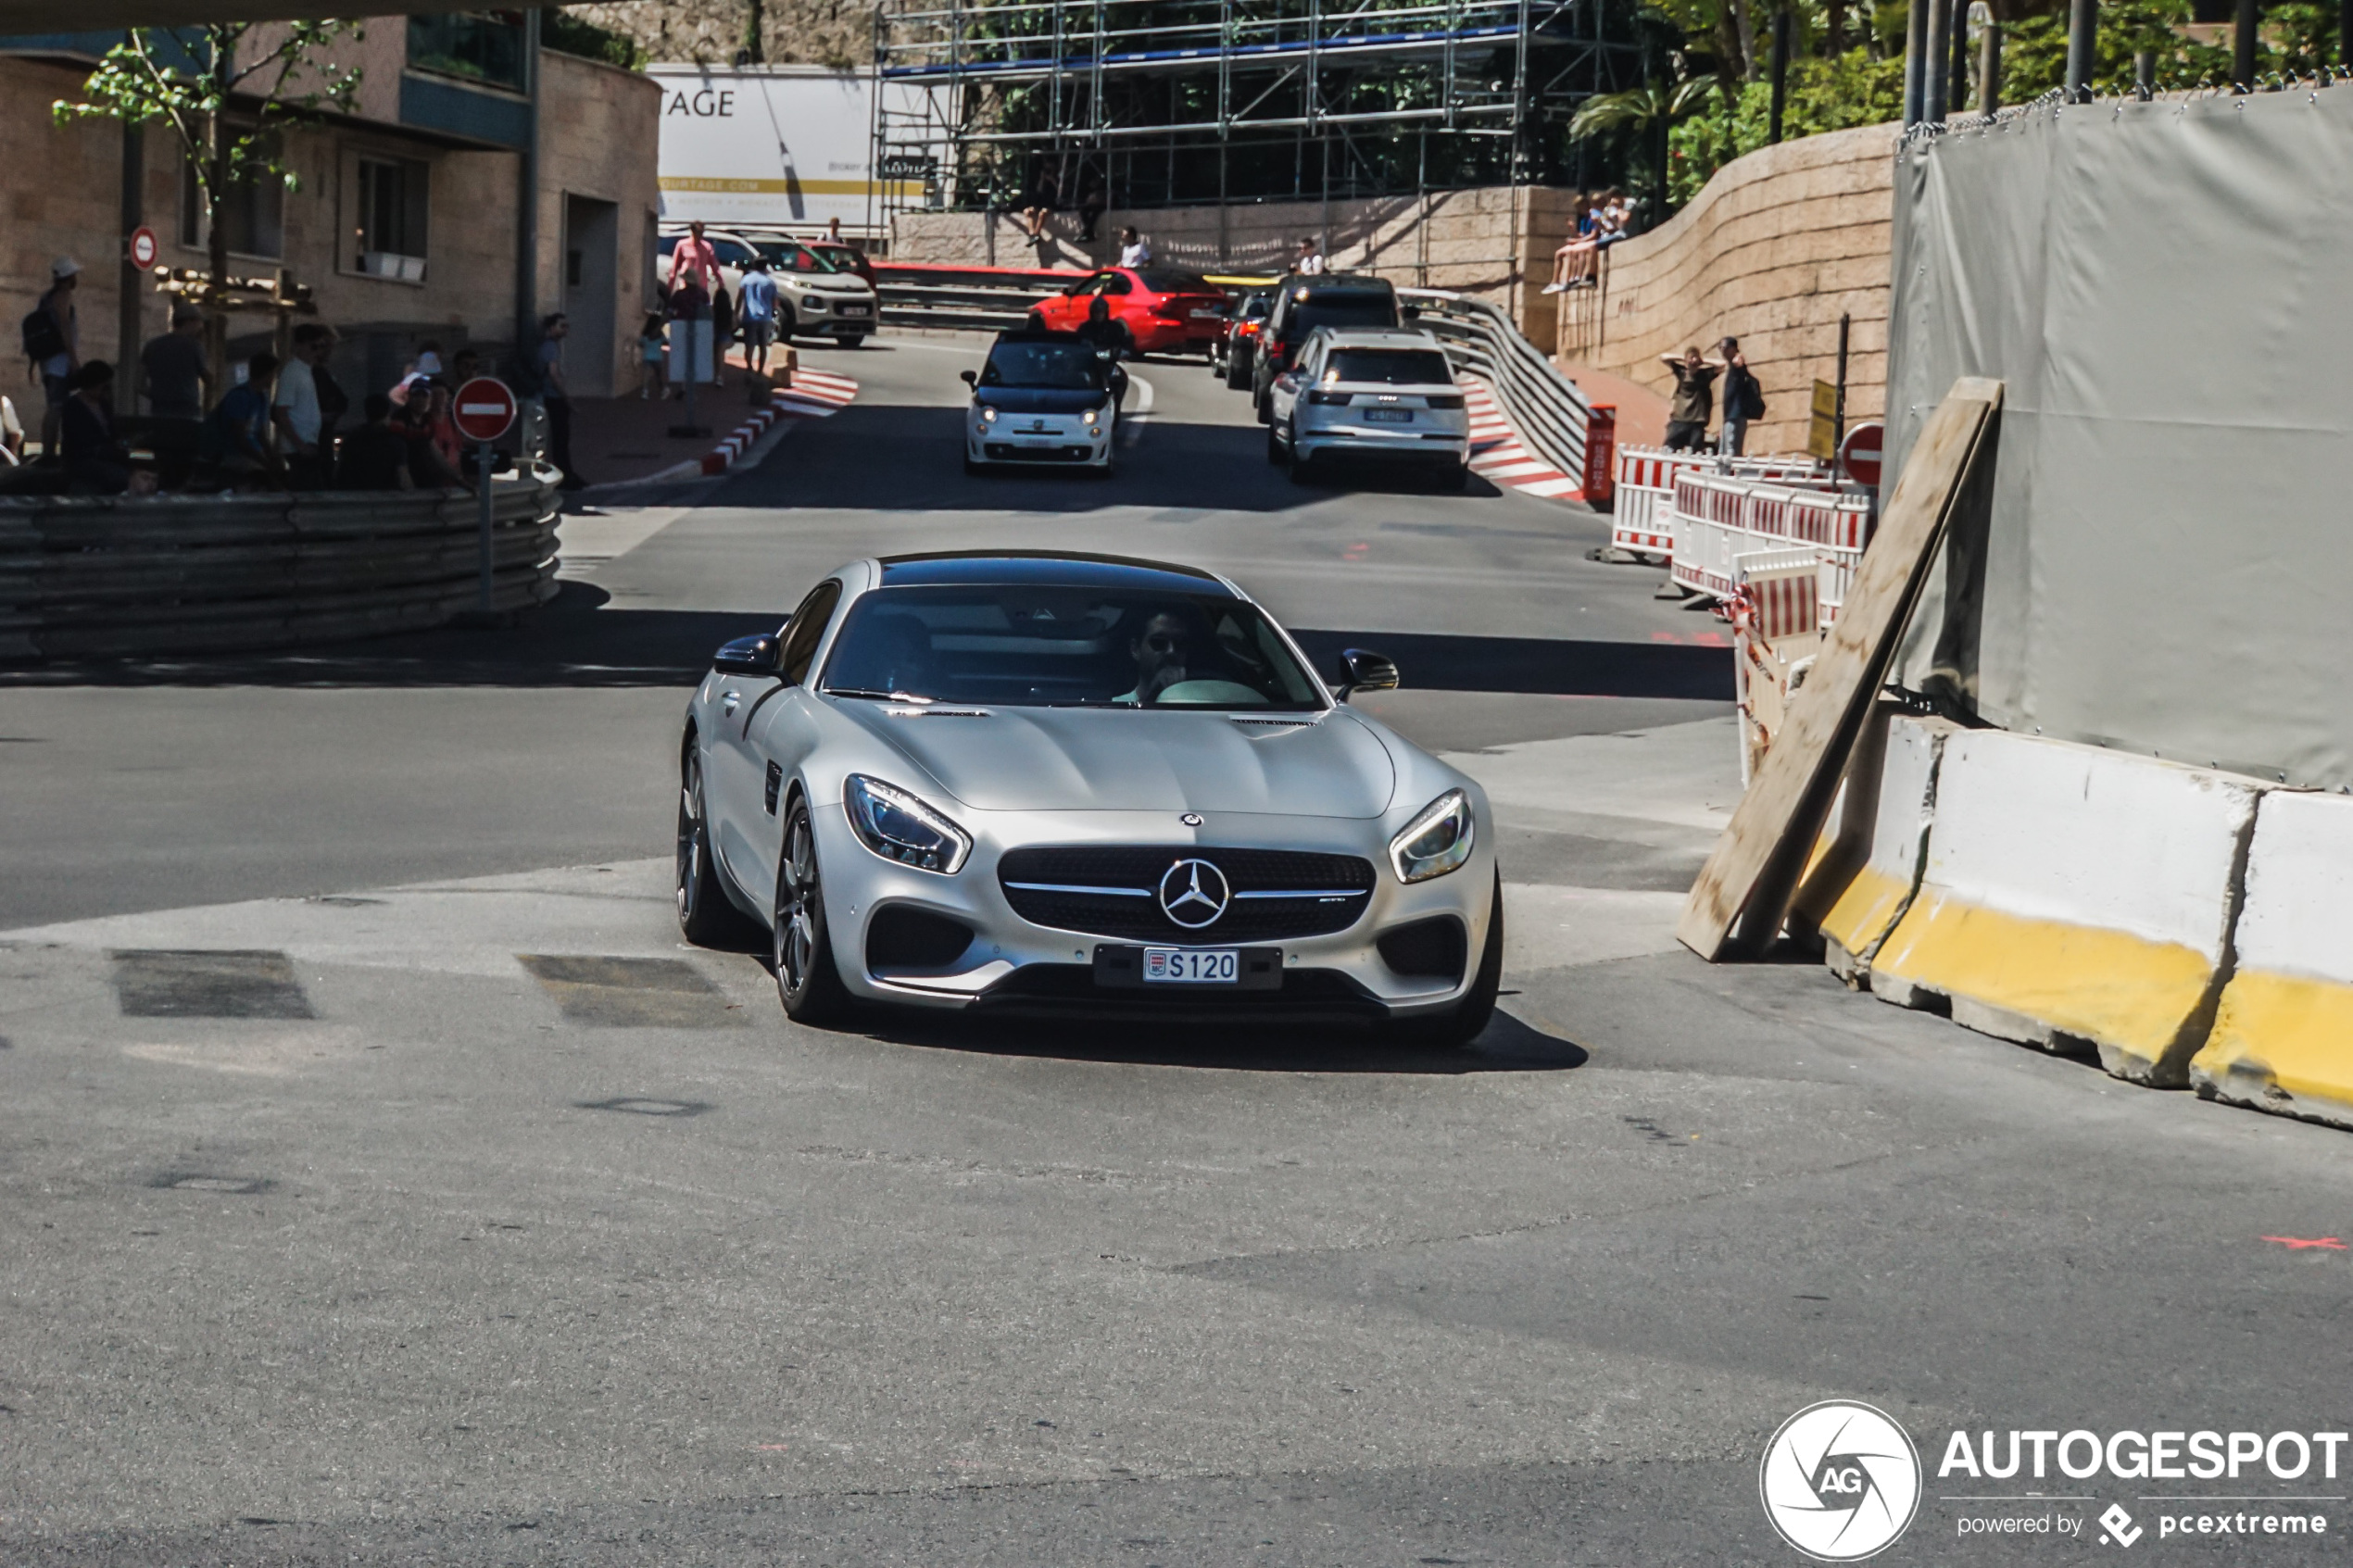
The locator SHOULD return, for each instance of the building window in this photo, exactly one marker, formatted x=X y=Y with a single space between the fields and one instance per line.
x=486 y=47
x=388 y=225
x=254 y=216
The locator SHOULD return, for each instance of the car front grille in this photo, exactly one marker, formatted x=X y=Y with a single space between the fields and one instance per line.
x=1274 y=894
x=1008 y=451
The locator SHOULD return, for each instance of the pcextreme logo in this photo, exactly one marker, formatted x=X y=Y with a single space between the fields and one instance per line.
x=1841 y=1481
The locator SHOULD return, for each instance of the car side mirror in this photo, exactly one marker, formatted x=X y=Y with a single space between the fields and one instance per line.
x=970 y=378
x=1411 y=312
x=1368 y=671
x=749 y=656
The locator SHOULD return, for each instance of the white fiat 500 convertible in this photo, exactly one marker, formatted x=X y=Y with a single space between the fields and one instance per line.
x=1068 y=783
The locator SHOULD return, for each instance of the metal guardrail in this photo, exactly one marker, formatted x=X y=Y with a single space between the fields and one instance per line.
x=1543 y=404
x=989 y=298
x=82 y=578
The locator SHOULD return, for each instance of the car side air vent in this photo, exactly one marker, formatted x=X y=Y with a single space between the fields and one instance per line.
x=1279 y=724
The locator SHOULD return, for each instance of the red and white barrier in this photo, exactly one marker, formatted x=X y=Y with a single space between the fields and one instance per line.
x=1720 y=517
x=1775 y=610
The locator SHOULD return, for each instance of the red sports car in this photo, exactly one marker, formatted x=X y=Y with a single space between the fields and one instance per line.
x=1160 y=310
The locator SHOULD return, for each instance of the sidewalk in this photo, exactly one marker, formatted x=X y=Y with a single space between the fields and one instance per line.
x=1641 y=413
x=617 y=439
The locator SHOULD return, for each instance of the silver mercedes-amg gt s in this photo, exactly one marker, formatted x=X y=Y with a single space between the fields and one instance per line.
x=1078 y=782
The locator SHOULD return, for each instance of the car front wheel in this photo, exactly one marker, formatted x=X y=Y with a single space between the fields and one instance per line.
x=807 y=981
x=705 y=917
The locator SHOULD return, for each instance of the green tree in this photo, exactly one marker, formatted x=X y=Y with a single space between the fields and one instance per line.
x=187 y=78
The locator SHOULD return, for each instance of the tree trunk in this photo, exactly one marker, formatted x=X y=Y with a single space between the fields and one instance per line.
x=215 y=194
x=1834 y=28
x=1744 y=36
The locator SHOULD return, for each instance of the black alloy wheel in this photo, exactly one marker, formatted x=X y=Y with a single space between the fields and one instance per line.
x=1276 y=453
x=807 y=981
x=705 y=916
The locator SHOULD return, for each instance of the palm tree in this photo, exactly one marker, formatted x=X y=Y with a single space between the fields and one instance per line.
x=1649 y=111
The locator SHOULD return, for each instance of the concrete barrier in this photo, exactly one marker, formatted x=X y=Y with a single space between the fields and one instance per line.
x=1864 y=874
x=2282 y=1038
x=2074 y=896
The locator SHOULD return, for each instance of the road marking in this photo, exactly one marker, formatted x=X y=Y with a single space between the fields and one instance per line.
x=1131 y=426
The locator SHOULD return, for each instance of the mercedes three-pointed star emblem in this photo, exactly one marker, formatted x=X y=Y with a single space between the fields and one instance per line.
x=1193 y=893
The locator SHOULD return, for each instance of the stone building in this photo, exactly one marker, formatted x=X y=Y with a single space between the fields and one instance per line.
x=405 y=217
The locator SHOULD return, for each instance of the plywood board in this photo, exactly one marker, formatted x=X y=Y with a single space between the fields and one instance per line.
x=1735 y=908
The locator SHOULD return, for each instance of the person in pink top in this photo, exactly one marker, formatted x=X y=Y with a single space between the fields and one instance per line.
x=695 y=258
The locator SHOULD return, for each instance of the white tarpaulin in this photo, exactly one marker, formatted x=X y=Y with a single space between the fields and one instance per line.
x=2166 y=565
x=769 y=144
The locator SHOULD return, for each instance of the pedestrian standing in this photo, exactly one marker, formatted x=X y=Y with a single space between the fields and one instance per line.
x=649 y=356
x=295 y=410
x=1133 y=251
x=1694 y=402
x=693 y=259
x=423 y=367
x=1744 y=400
x=552 y=333
x=53 y=343
x=722 y=332
x=177 y=378
x=1309 y=262
x=758 y=296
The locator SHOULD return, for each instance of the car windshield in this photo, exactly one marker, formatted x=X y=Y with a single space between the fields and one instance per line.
x=1341 y=311
x=1392 y=367
x=1044 y=646
x=1067 y=365
x=1169 y=280
x=790 y=257
x=1254 y=308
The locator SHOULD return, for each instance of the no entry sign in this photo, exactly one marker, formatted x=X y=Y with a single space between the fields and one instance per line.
x=142 y=247
x=485 y=409
x=1858 y=454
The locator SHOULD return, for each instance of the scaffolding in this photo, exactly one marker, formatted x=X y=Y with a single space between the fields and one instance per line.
x=1156 y=103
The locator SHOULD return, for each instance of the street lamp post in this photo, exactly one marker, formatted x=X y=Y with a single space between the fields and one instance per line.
x=2082 y=32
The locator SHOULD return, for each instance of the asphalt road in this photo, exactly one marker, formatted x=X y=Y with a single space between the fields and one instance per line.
x=374 y=1236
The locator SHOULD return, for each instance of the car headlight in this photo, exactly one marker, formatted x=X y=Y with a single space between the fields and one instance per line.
x=901 y=829
x=1094 y=416
x=1436 y=841
x=987 y=416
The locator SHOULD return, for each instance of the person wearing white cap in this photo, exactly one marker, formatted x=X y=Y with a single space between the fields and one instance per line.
x=427 y=365
x=55 y=351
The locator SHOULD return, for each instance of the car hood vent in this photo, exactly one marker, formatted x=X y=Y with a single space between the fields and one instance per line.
x=938 y=713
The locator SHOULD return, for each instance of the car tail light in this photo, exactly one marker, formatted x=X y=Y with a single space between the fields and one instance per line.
x=1444 y=400
x=1320 y=395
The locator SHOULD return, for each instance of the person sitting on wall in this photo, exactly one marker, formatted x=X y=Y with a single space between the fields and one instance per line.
x=375 y=457
x=236 y=434
x=96 y=461
x=1573 y=258
x=1038 y=206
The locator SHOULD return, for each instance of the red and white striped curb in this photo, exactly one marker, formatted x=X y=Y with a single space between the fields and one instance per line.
x=1497 y=451
x=814 y=395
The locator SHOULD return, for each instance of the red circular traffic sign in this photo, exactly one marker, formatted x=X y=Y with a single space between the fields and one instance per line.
x=142 y=247
x=485 y=408
x=1858 y=454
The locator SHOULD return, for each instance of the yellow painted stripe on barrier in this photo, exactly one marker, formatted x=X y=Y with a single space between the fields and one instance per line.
x=2108 y=986
x=1867 y=907
x=2281 y=1029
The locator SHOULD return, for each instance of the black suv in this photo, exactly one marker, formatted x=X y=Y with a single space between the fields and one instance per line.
x=1302 y=304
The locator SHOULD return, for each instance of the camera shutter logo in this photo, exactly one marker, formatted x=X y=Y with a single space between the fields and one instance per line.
x=1841 y=1481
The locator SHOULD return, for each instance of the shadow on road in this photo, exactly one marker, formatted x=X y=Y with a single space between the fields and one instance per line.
x=1507 y=1045
x=581 y=642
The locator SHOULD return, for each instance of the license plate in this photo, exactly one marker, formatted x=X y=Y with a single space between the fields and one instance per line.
x=850 y=310
x=1183 y=966
x=1041 y=430
x=1389 y=416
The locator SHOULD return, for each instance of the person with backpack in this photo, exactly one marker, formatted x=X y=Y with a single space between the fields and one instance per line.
x=52 y=348
x=1744 y=400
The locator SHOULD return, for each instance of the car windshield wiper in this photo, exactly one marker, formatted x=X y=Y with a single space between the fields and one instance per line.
x=875 y=695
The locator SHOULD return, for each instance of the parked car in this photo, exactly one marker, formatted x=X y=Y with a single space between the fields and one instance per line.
x=1044 y=397
x=1157 y=310
x=1301 y=304
x=1370 y=395
x=1015 y=781
x=814 y=298
x=1236 y=346
x=846 y=258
